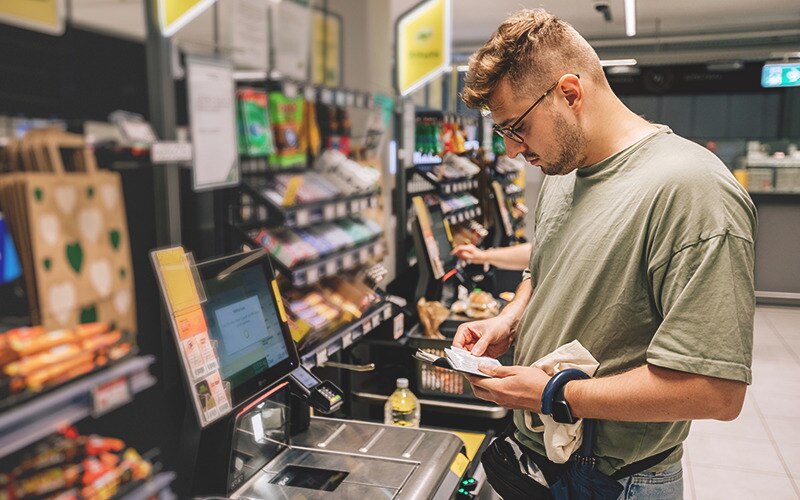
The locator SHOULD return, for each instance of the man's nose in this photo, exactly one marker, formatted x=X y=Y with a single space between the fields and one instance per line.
x=513 y=148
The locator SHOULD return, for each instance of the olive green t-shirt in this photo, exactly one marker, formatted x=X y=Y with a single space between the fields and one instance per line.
x=645 y=257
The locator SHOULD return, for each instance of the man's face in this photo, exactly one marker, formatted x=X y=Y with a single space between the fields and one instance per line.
x=554 y=141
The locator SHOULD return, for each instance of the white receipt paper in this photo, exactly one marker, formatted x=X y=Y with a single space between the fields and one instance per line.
x=459 y=360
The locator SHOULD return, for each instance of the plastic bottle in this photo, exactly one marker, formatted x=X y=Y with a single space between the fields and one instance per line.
x=402 y=408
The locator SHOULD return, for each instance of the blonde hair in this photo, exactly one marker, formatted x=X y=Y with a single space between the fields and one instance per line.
x=532 y=48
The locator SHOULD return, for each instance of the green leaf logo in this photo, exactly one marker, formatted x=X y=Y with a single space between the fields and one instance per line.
x=47 y=263
x=38 y=194
x=88 y=315
x=122 y=273
x=75 y=256
x=90 y=192
x=115 y=237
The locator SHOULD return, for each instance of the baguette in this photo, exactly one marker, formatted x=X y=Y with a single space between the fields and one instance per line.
x=30 y=364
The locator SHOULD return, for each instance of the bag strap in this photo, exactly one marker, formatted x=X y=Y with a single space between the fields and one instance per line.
x=643 y=464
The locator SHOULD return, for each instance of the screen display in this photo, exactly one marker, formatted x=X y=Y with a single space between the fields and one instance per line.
x=243 y=318
x=303 y=376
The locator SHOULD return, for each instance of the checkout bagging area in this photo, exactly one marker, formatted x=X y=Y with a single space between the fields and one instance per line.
x=262 y=428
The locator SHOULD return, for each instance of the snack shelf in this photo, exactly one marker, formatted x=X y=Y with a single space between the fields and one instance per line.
x=306 y=214
x=330 y=265
x=157 y=486
x=346 y=335
x=447 y=186
x=41 y=416
x=463 y=214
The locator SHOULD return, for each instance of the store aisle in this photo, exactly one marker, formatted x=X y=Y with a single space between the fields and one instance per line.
x=758 y=454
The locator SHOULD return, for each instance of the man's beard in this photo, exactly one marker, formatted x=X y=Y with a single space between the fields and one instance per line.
x=571 y=147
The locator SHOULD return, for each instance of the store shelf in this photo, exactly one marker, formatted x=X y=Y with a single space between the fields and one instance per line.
x=331 y=265
x=463 y=214
x=158 y=487
x=305 y=214
x=447 y=186
x=346 y=336
x=40 y=417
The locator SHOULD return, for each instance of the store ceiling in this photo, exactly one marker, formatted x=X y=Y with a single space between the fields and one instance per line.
x=672 y=31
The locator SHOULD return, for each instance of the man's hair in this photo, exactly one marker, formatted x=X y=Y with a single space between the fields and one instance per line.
x=532 y=48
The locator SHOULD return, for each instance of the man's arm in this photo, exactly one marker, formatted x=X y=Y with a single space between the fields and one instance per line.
x=645 y=394
x=514 y=257
x=654 y=394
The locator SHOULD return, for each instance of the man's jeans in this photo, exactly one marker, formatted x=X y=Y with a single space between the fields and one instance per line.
x=664 y=485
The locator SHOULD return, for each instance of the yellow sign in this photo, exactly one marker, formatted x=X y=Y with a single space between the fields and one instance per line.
x=423 y=44
x=39 y=15
x=175 y=14
x=326 y=50
x=459 y=465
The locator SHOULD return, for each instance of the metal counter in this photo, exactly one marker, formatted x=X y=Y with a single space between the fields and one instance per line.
x=382 y=461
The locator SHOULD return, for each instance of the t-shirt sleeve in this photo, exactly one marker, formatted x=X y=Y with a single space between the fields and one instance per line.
x=704 y=293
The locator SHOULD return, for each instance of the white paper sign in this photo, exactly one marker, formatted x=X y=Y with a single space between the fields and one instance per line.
x=212 y=117
x=291 y=26
x=249 y=34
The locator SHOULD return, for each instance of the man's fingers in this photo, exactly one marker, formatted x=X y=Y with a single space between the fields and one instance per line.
x=497 y=371
x=480 y=346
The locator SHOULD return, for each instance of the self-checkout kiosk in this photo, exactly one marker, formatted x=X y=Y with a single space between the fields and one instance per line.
x=253 y=436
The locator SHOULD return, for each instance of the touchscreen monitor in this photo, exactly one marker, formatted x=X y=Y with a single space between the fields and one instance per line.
x=245 y=318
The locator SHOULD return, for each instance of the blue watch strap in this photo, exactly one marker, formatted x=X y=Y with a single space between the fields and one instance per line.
x=556 y=381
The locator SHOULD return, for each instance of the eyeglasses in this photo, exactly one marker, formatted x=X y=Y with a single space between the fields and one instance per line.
x=509 y=131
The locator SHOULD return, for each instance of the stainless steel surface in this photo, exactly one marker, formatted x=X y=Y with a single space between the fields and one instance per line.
x=383 y=461
x=346 y=366
x=466 y=409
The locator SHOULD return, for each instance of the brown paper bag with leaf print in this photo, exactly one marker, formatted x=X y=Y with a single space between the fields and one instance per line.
x=73 y=235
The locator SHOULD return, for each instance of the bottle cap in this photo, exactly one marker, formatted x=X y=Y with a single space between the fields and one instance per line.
x=402 y=383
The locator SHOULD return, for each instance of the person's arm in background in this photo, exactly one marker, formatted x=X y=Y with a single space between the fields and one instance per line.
x=492 y=337
x=514 y=258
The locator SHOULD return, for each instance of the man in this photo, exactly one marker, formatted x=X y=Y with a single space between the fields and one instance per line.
x=643 y=252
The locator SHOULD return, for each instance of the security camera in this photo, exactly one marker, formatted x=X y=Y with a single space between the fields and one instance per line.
x=605 y=9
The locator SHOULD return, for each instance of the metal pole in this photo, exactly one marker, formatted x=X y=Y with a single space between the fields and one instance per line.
x=161 y=97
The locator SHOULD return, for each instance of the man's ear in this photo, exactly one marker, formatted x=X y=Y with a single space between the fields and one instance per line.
x=570 y=86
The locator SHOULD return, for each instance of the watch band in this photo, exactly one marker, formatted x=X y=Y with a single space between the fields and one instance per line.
x=553 y=402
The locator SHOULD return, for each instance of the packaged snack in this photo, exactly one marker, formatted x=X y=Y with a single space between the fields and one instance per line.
x=286 y=115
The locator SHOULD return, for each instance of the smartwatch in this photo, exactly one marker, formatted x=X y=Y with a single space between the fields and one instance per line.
x=553 y=402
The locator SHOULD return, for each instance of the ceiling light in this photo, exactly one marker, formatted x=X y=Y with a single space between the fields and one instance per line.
x=630 y=17
x=617 y=62
x=623 y=70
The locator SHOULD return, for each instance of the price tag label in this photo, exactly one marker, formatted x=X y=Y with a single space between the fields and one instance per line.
x=347 y=340
x=290 y=90
x=387 y=313
x=171 y=152
x=373 y=202
x=356 y=333
x=347 y=261
x=331 y=268
x=303 y=217
x=363 y=254
x=110 y=396
x=312 y=275
x=341 y=99
x=322 y=356
x=355 y=206
x=300 y=279
x=326 y=96
x=341 y=209
x=329 y=212
x=364 y=204
x=376 y=321
x=367 y=326
x=310 y=93
x=351 y=99
x=398 y=326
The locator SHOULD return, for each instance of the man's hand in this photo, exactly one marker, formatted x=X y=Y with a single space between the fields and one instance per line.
x=488 y=337
x=470 y=254
x=514 y=387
